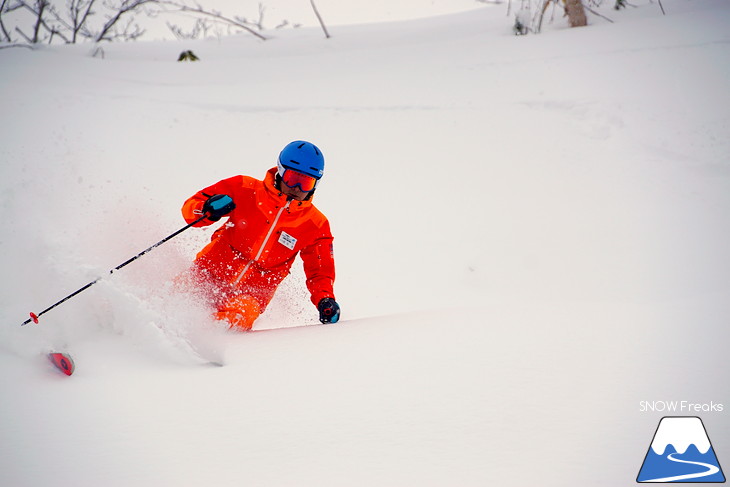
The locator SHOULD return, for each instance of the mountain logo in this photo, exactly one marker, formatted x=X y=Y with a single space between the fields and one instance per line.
x=681 y=452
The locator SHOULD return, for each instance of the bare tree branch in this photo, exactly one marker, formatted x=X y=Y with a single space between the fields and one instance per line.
x=3 y=30
x=72 y=21
x=319 y=17
x=22 y=34
x=217 y=16
x=201 y=28
x=597 y=13
x=126 y=7
x=42 y=6
x=54 y=30
x=77 y=18
x=259 y=24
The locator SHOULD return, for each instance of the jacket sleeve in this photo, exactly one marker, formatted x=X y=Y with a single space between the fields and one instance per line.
x=192 y=209
x=319 y=266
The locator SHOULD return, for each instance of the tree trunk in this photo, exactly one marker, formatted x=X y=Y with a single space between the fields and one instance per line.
x=41 y=8
x=576 y=13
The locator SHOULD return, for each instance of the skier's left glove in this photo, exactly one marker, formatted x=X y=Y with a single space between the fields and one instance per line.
x=329 y=310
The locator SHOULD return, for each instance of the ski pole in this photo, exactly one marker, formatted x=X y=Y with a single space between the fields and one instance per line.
x=34 y=317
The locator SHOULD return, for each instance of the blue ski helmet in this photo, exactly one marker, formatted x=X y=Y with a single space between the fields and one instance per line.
x=303 y=157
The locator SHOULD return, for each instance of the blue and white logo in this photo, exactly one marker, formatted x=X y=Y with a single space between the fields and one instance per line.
x=680 y=452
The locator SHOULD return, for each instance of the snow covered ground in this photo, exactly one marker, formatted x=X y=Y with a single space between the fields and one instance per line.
x=531 y=235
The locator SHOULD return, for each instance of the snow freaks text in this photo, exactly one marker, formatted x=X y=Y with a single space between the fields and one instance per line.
x=680 y=407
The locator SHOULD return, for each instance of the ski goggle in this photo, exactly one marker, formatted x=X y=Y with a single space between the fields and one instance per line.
x=293 y=179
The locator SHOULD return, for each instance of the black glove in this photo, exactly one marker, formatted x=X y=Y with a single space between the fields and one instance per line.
x=218 y=206
x=329 y=310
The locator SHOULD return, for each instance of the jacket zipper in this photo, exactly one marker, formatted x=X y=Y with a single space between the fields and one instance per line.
x=263 y=244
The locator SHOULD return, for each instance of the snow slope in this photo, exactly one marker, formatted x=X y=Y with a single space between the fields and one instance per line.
x=531 y=236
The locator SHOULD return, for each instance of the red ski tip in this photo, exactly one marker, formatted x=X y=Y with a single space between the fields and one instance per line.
x=62 y=361
x=34 y=317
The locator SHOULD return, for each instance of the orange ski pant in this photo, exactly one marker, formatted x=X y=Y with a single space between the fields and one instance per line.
x=237 y=288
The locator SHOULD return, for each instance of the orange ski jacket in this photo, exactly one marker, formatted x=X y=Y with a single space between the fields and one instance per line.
x=263 y=235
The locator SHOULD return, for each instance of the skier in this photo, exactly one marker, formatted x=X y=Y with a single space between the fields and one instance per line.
x=269 y=223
